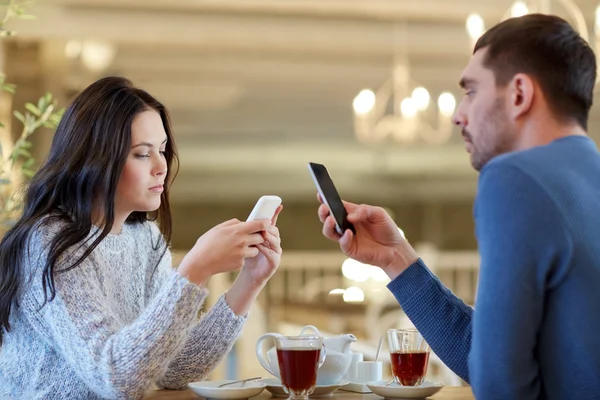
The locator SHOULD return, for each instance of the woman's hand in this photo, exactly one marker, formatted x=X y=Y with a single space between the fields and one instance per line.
x=257 y=270
x=222 y=249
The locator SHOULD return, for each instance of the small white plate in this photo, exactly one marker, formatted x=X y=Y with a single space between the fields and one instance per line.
x=395 y=391
x=211 y=389
x=274 y=386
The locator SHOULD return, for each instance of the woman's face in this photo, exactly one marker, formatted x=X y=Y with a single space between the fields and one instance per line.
x=141 y=183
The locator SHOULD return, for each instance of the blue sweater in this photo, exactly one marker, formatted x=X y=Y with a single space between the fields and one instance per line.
x=535 y=330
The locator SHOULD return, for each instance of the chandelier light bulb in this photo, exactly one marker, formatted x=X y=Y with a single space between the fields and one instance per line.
x=519 y=9
x=446 y=104
x=364 y=102
x=97 y=55
x=421 y=98
x=475 y=26
x=354 y=295
x=408 y=108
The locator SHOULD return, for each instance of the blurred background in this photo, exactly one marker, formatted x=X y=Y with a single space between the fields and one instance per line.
x=257 y=89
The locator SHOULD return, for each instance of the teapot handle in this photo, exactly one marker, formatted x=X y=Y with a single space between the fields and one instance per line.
x=311 y=327
x=260 y=351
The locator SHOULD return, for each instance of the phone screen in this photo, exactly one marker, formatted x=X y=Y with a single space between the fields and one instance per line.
x=331 y=197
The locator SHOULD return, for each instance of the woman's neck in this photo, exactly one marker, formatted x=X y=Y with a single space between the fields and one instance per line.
x=120 y=218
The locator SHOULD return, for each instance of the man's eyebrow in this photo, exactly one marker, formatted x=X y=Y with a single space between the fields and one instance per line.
x=464 y=82
x=147 y=144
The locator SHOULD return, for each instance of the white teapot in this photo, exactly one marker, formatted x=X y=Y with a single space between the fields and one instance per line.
x=335 y=366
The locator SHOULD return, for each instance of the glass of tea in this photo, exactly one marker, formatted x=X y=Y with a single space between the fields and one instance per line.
x=299 y=358
x=409 y=354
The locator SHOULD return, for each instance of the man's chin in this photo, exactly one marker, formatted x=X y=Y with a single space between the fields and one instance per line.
x=476 y=163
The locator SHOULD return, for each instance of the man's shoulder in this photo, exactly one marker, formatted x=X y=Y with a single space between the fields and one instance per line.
x=546 y=159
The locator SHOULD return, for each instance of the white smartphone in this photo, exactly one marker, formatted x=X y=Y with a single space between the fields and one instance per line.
x=265 y=208
x=330 y=196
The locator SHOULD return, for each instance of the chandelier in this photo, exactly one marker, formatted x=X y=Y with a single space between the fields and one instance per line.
x=412 y=114
x=402 y=109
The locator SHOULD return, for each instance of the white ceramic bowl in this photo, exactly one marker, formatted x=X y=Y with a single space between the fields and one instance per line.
x=395 y=391
x=211 y=389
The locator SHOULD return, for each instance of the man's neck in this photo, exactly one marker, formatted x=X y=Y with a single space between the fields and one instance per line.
x=542 y=134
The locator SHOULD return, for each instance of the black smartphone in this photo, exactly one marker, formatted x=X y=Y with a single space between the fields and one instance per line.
x=330 y=196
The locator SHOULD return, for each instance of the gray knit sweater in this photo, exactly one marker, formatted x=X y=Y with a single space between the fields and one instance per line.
x=116 y=327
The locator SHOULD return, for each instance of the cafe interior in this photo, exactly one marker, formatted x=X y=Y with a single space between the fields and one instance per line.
x=256 y=90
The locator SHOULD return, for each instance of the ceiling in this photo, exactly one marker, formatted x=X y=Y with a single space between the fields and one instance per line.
x=257 y=89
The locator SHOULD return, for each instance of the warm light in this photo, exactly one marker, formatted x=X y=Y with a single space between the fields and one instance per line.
x=421 y=98
x=378 y=275
x=446 y=104
x=354 y=295
x=355 y=270
x=475 y=26
x=73 y=49
x=337 y=291
x=597 y=24
x=402 y=233
x=97 y=55
x=519 y=9
x=364 y=102
x=408 y=108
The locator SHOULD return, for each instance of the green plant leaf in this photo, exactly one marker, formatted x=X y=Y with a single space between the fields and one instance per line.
x=29 y=163
x=19 y=116
x=9 y=87
x=42 y=103
x=2 y=125
x=28 y=173
x=4 y=33
x=27 y=145
x=23 y=153
x=33 y=109
x=28 y=17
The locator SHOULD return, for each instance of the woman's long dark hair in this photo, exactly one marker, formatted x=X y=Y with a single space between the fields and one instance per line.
x=88 y=153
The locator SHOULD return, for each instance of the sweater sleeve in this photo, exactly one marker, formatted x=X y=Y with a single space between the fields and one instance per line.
x=114 y=359
x=524 y=250
x=442 y=318
x=210 y=340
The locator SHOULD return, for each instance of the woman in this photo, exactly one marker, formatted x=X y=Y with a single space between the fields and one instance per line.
x=89 y=304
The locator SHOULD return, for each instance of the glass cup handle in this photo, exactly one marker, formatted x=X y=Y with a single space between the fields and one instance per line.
x=261 y=353
x=322 y=356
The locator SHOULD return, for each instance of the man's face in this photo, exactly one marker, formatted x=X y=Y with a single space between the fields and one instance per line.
x=481 y=114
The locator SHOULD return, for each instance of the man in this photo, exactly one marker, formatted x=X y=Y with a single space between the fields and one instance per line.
x=535 y=330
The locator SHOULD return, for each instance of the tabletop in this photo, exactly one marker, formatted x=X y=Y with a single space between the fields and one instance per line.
x=447 y=393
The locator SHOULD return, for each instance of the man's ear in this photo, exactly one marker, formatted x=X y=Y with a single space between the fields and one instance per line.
x=521 y=91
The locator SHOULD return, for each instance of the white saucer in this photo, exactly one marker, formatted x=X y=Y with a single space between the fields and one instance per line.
x=274 y=386
x=395 y=391
x=210 y=389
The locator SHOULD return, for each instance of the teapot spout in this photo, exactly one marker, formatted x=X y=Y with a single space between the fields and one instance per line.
x=340 y=343
x=347 y=340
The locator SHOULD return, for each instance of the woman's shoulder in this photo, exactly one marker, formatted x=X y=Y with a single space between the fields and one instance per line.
x=46 y=229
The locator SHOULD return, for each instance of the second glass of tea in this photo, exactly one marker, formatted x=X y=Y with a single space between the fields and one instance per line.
x=409 y=354
x=299 y=357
